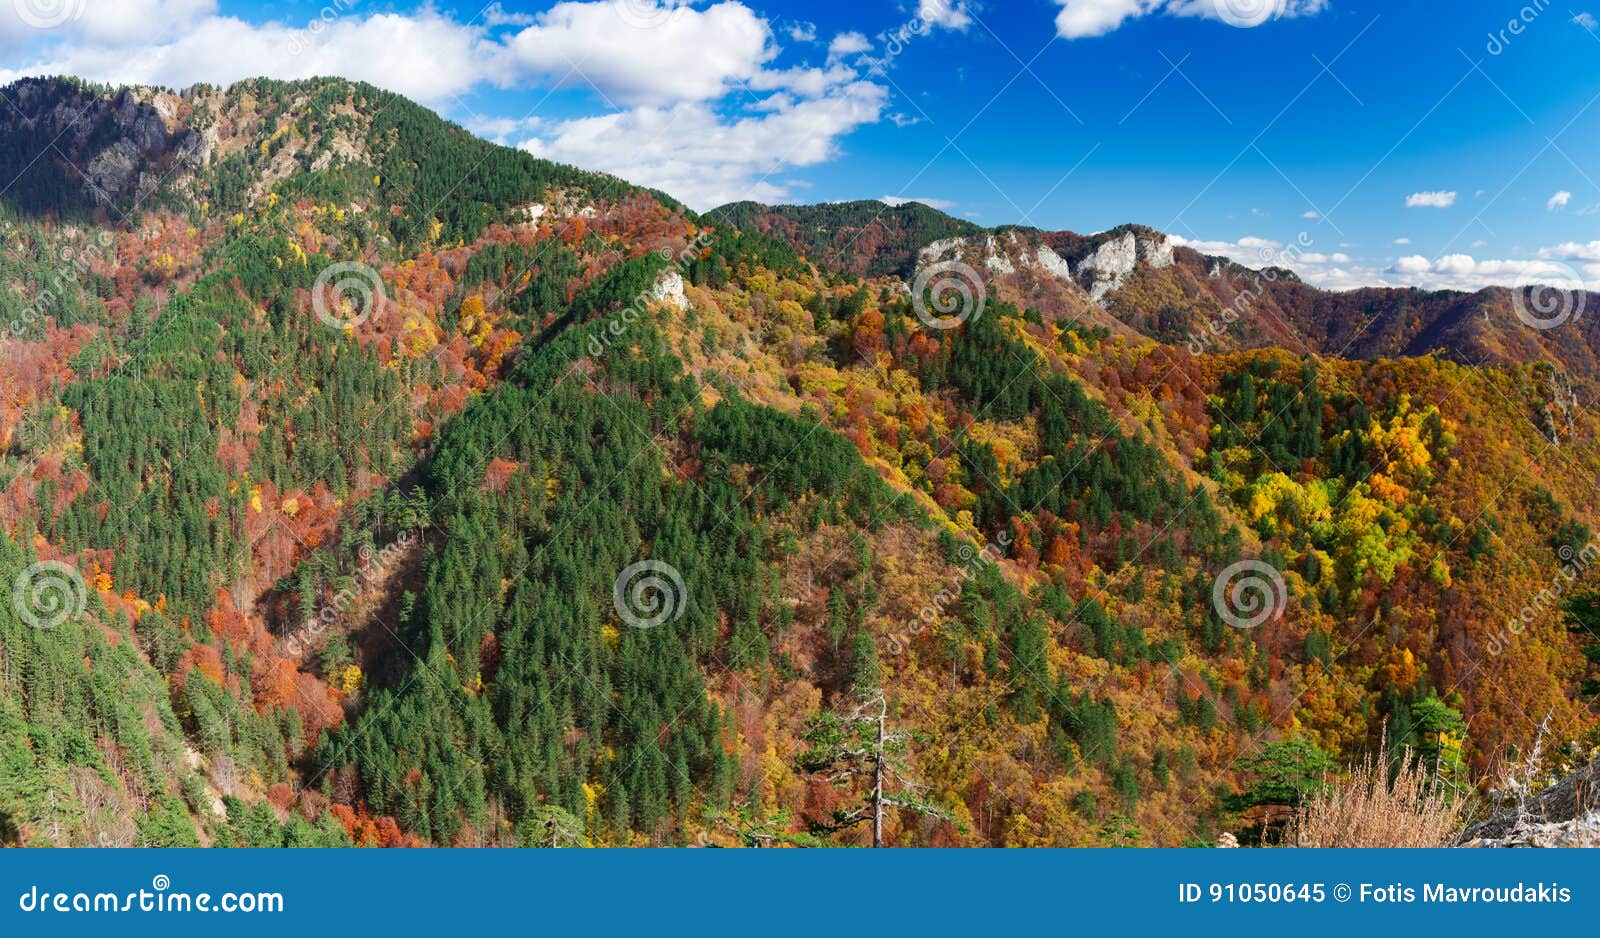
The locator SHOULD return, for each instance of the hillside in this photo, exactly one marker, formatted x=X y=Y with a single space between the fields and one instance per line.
x=364 y=482
x=1133 y=278
x=868 y=239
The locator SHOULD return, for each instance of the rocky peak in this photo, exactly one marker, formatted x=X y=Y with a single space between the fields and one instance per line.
x=1101 y=270
x=1106 y=269
x=117 y=146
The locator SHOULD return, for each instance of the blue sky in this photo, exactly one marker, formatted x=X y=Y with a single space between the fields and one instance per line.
x=1446 y=146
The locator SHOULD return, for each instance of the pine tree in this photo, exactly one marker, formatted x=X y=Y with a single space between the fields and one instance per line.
x=857 y=752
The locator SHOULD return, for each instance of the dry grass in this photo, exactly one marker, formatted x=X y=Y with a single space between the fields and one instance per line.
x=1366 y=810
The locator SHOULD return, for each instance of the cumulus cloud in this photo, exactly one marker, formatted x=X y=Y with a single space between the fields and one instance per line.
x=121 y=22
x=1572 y=251
x=1465 y=272
x=1250 y=250
x=1559 y=200
x=1567 y=265
x=1080 y=19
x=845 y=45
x=424 y=56
x=949 y=14
x=690 y=151
x=1436 y=199
x=684 y=54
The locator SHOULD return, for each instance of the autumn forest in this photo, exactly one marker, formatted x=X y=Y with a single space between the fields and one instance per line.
x=364 y=483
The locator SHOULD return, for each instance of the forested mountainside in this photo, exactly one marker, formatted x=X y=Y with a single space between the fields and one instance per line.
x=1142 y=282
x=868 y=239
x=362 y=482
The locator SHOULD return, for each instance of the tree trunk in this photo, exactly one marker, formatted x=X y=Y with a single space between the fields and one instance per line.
x=877 y=781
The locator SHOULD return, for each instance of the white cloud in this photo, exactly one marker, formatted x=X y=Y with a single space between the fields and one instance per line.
x=496 y=15
x=426 y=56
x=1560 y=200
x=1251 y=251
x=1587 y=21
x=1435 y=199
x=845 y=45
x=1402 y=241
x=950 y=14
x=1082 y=18
x=1311 y=215
x=1464 y=272
x=896 y=201
x=1564 y=265
x=690 y=151
x=685 y=55
x=1572 y=251
x=116 y=23
x=1079 y=19
x=801 y=31
x=502 y=129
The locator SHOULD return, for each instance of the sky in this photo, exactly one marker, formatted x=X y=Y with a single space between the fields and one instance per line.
x=1359 y=142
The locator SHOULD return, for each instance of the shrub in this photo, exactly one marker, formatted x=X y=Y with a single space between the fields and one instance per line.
x=1369 y=810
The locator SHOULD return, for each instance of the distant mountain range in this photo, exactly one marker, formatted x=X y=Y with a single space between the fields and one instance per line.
x=1133 y=277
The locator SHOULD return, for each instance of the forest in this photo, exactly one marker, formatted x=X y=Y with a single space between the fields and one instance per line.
x=288 y=563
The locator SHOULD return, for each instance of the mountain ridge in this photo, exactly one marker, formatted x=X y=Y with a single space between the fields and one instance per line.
x=347 y=443
x=1205 y=302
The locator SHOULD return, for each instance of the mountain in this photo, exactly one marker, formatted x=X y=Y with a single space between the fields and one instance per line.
x=868 y=239
x=365 y=482
x=1136 y=278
